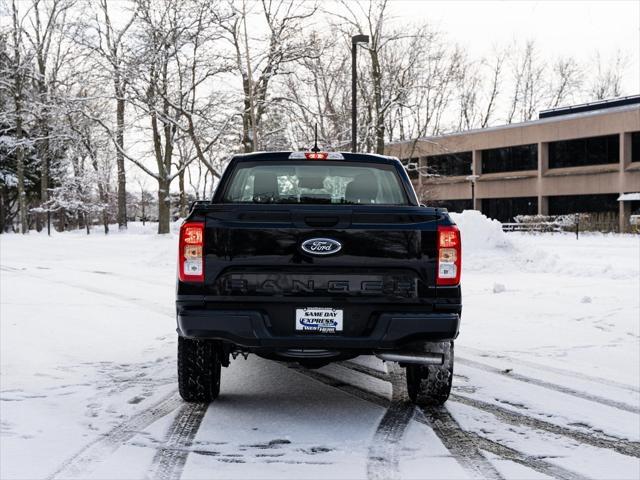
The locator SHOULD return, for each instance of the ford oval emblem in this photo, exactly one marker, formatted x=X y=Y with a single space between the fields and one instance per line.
x=321 y=246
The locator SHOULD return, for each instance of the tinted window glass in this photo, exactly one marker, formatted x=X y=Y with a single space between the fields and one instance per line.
x=563 y=204
x=451 y=205
x=510 y=159
x=505 y=209
x=450 y=164
x=315 y=182
x=635 y=147
x=584 y=151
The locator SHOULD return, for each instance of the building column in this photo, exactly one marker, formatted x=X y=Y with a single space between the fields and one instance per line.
x=543 y=166
x=476 y=169
x=624 y=214
x=543 y=205
x=624 y=211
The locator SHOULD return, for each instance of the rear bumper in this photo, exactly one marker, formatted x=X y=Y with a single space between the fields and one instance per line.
x=249 y=328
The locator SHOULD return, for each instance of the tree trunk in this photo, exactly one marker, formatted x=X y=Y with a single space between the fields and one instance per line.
x=122 y=181
x=377 y=97
x=22 y=200
x=43 y=153
x=183 y=195
x=247 y=137
x=17 y=98
x=103 y=199
x=142 y=203
x=164 y=207
x=3 y=210
x=43 y=145
x=62 y=220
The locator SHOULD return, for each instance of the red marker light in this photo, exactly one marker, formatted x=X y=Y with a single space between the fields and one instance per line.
x=449 y=255
x=448 y=238
x=316 y=155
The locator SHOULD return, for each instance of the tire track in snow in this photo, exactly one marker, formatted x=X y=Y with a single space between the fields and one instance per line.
x=548 y=385
x=80 y=464
x=474 y=462
x=452 y=436
x=170 y=459
x=534 y=463
x=548 y=368
x=383 y=456
x=625 y=447
x=445 y=426
x=106 y=293
x=465 y=446
x=340 y=385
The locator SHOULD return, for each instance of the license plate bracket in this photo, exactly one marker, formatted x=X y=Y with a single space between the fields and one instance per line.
x=325 y=320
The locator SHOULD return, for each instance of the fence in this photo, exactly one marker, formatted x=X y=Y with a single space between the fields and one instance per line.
x=585 y=222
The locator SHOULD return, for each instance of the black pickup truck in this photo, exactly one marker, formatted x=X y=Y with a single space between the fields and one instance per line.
x=316 y=257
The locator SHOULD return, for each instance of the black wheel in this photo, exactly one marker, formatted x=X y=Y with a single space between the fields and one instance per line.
x=431 y=384
x=198 y=370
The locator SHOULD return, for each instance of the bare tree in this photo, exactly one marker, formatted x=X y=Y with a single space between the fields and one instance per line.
x=529 y=87
x=393 y=86
x=566 y=81
x=370 y=21
x=317 y=93
x=46 y=33
x=91 y=143
x=258 y=65
x=169 y=35
x=495 y=67
x=479 y=86
x=468 y=85
x=607 y=82
x=109 y=47
x=17 y=87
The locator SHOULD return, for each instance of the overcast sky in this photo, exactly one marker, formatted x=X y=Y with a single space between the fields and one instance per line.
x=574 y=28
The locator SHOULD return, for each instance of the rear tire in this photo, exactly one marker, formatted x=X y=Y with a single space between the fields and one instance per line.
x=431 y=384
x=198 y=369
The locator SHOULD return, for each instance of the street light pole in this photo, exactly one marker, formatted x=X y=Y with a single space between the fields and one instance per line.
x=473 y=195
x=472 y=179
x=354 y=79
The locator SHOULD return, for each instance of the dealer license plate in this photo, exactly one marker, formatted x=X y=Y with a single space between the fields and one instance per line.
x=318 y=319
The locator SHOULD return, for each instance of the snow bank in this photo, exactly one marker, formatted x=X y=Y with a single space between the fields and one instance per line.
x=479 y=232
x=486 y=248
x=562 y=253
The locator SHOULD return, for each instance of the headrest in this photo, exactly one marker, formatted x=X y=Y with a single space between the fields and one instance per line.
x=313 y=182
x=265 y=186
x=362 y=189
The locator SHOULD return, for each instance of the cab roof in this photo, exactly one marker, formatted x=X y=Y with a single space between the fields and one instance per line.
x=348 y=156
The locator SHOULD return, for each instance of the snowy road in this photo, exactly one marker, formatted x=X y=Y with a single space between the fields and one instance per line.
x=546 y=386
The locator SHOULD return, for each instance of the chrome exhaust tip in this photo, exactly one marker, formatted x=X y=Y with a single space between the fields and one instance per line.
x=419 y=358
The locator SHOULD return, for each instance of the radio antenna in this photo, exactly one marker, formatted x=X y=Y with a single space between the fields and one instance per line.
x=315 y=146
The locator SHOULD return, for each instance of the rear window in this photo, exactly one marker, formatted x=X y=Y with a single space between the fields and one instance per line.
x=347 y=183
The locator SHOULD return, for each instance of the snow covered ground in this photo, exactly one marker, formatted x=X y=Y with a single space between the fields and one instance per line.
x=547 y=380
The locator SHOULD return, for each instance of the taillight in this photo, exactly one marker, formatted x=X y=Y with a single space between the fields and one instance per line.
x=449 y=255
x=191 y=252
x=316 y=155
